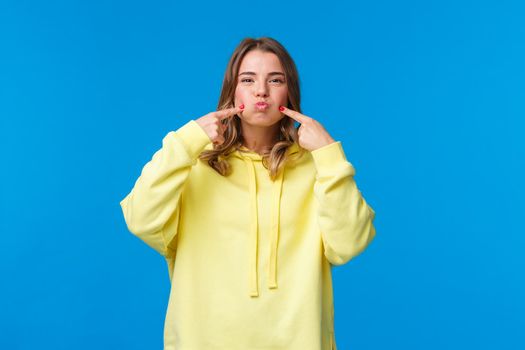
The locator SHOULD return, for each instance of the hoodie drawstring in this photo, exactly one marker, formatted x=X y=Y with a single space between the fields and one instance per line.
x=275 y=223
x=254 y=289
x=274 y=239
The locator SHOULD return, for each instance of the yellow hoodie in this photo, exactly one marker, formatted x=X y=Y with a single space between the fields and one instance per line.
x=249 y=259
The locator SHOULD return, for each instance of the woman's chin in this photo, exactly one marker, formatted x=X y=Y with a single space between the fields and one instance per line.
x=260 y=118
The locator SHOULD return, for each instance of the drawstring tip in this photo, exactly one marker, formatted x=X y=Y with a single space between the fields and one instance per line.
x=272 y=283
x=254 y=288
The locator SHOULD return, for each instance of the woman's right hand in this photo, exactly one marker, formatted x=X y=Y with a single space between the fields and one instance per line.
x=211 y=123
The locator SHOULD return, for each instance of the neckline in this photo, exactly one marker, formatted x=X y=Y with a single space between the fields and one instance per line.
x=245 y=152
x=249 y=153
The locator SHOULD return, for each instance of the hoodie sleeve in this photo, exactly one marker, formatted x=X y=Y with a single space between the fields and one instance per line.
x=151 y=209
x=344 y=217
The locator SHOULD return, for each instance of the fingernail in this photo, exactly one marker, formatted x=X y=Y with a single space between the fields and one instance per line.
x=241 y=106
x=281 y=108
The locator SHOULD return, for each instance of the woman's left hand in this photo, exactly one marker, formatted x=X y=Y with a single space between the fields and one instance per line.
x=312 y=135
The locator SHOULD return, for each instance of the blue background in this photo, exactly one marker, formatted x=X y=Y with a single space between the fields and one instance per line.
x=426 y=97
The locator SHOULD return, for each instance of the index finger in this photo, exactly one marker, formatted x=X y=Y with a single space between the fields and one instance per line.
x=228 y=112
x=301 y=118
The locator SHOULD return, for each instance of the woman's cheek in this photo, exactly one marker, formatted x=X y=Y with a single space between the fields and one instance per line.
x=283 y=98
x=239 y=98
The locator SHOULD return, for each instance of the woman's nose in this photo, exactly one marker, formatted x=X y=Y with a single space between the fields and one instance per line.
x=261 y=90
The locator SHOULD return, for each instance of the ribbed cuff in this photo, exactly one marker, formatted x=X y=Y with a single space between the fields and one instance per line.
x=193 y=137
x=330 y=156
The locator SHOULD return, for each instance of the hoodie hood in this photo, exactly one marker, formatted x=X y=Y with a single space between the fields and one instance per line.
x=249 y=157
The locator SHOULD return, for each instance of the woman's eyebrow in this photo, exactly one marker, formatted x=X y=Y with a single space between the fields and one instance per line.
x=271 y=73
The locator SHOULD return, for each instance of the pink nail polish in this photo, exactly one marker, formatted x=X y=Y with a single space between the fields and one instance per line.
x=281 y=108
x=241 y=106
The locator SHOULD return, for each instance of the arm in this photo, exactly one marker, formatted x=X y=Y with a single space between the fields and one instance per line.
x=344 y=217
x=151 y=209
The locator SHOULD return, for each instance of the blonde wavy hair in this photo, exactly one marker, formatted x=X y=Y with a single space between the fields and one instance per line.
x=275 y=158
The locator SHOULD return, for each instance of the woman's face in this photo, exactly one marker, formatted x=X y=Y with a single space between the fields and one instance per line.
x=261 y=79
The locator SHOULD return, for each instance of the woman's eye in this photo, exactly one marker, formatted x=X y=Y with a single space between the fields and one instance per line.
x=246 y=79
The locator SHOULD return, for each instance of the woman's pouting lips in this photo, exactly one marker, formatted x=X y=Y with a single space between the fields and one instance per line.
x=261 y=105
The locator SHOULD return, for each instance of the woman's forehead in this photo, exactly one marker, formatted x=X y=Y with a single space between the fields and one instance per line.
x=260 y=63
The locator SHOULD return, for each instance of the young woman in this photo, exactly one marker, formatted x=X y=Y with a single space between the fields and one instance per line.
x=251 y=212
